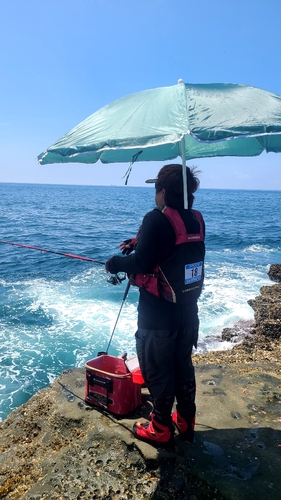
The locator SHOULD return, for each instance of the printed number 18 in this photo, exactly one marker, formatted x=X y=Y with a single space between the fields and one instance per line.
x=194 y=271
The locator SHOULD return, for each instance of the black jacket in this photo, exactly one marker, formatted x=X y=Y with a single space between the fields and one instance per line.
x=156 y=243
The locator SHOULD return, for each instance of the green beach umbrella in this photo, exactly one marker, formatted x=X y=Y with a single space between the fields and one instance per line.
x=184 y=120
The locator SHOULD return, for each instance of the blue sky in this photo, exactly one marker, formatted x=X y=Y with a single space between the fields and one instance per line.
x=61 y=60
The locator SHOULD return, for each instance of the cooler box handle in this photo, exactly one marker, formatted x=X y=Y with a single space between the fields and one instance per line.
x=106 y=383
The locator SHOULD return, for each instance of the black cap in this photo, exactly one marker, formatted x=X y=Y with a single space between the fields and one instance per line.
x=151 y=181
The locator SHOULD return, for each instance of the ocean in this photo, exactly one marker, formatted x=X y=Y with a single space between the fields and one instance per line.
x=58 y=312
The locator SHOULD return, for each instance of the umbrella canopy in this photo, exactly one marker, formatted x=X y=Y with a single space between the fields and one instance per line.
x=186 y=120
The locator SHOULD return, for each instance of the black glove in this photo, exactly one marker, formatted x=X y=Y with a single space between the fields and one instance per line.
x=110 y=265
x=128 y=246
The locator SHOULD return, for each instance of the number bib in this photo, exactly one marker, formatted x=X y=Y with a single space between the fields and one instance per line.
x=193 y=272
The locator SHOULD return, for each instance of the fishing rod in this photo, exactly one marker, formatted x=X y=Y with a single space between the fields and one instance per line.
x=114 y=280
x=80 y=257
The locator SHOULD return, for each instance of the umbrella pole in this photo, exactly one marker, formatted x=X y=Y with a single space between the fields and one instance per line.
x=183 y=157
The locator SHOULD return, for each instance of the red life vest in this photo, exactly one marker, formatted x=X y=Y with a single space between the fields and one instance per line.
x=180 y=278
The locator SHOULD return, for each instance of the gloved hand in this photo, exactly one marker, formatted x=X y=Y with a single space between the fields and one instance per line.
x=127 y=246
x=110 y=265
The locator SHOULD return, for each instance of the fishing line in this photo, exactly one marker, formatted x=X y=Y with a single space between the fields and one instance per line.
x=123 y=301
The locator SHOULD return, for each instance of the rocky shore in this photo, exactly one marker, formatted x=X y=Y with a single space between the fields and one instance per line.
x=57 y=447
x=262 y=342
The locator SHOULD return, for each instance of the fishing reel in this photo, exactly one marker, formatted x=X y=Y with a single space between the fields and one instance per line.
x=116 y=279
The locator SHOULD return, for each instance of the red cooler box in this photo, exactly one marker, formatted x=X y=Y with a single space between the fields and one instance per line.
x=109 y=385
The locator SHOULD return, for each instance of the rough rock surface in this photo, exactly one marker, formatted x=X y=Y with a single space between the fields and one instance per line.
x=243 y=329
x=267 y=309
x=57 y=447
x=274 y=272
x=262 y=342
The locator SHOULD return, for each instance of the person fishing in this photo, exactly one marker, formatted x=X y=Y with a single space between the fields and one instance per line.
x=168 y=267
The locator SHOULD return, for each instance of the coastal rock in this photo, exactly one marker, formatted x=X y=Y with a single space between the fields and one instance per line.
x=267 y=311
x=262 y=342
x=56 y=447
x=239 y=332
x=274 y=272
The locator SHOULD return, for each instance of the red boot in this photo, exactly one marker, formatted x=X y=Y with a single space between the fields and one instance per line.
x=154 y=433
x=185 y=426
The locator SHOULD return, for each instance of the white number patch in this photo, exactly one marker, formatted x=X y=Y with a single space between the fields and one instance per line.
x=193 y=272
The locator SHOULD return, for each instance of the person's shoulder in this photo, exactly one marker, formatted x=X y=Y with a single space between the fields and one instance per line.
x=155 y=214
x=154 y=218
x=189 y=213
x=198 y=214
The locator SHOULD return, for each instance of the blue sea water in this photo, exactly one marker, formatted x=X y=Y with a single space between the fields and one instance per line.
x=57 y=312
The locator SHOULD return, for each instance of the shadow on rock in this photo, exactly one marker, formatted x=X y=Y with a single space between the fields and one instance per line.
x=237 y=464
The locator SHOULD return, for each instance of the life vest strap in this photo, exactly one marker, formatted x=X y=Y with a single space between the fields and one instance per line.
x=178 y=225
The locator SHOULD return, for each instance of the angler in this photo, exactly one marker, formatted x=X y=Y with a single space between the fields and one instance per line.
x=170 y=248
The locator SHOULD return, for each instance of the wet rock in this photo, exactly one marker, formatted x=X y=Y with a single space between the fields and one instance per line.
x=274 y=272
x=267 y=311
x=239 y=332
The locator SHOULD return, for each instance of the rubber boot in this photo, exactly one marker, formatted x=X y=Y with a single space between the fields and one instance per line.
x=184 y=416
x=155 y=433
x=185 y=426
x=160 y=430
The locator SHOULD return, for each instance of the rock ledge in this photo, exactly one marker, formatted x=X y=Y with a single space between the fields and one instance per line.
x=57 y=447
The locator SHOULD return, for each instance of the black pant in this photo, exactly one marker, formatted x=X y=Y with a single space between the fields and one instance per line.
x=165 y=359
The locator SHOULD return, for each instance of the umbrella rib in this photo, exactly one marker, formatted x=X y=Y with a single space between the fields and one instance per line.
x=240 y=136
x=101 y=150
